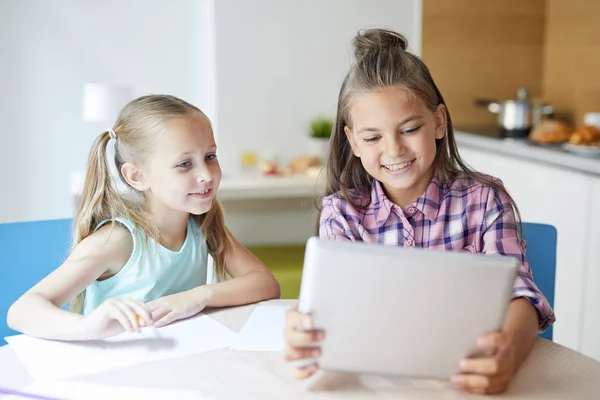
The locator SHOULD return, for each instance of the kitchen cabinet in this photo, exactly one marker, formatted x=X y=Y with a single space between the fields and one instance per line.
x=590 y=335
x=563 y=198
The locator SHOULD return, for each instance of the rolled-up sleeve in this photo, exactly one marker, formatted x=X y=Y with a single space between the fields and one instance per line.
x=332 y=221
x=500 y=236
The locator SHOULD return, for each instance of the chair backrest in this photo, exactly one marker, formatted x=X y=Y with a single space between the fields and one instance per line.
x=28 y=252
x=541 y=254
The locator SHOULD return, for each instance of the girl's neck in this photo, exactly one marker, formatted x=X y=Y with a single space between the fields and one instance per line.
x=404 y=197
x=171 y=224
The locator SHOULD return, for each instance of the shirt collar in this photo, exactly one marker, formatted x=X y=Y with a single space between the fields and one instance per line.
x=380 y=205
x=428 y=203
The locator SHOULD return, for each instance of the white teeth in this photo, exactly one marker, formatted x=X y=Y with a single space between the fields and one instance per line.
x=396 y=167
x=204 y=191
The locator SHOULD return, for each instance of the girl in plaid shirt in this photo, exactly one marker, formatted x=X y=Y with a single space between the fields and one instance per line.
x=395 y=177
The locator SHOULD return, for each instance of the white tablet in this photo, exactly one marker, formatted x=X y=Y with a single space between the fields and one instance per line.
x=402 y=311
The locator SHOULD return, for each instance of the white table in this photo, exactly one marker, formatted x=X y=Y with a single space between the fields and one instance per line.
x=551 y=372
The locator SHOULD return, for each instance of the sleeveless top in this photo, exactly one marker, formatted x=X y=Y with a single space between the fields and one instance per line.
x=152 y=270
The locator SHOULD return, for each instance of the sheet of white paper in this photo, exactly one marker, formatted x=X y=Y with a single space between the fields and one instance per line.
x=69 y=390
x=263 y=331
x=47 y=359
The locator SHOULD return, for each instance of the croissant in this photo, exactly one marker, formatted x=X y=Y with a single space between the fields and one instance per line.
x=585 y=134
x=550 y=131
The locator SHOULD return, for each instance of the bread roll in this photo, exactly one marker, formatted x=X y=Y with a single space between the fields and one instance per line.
x=585 y=135
x=550 y=131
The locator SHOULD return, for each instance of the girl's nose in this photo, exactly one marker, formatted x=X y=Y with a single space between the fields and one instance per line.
x=203 y=178
x=395 y=147
x=204 y=175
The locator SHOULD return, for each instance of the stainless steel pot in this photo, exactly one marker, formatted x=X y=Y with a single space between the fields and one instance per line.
x=517 y=117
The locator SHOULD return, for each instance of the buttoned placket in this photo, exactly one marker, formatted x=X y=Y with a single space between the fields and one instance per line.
x=409 y=212
x=408 y=232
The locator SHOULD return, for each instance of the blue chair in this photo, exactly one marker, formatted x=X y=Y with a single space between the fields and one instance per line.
x=28 y=252
x=541 y=254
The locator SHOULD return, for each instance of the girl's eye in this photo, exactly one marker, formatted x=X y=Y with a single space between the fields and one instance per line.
x=185 y=164
x=411 y=131
x=371 y=139
x=211 y=157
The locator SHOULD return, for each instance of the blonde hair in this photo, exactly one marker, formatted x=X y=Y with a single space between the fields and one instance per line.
x=136 y=126
x=381 y=60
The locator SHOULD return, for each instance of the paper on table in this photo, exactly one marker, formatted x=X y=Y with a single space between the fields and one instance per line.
x=263 y=331
x=48 y=359
x=67 y=390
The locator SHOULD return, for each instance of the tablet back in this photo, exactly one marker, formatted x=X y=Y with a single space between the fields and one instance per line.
x=402 y=311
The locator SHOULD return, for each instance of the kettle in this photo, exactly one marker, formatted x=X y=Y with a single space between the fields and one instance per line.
x=517 y=117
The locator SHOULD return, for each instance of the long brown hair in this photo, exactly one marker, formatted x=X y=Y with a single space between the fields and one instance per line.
x=137 y=125
x=381 y=60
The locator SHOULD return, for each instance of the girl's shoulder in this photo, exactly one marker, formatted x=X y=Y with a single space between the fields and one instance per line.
x=476 y=181
x=475 y=189
x=352 y=198
x=110 y=246
x=112 y=234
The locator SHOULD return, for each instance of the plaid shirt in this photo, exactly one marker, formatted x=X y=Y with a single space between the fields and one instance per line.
x=465 y=215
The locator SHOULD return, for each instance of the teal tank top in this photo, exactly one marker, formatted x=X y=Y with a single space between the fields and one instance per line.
x=153 y=271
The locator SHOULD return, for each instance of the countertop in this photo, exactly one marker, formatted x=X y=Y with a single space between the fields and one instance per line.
x=522 y=148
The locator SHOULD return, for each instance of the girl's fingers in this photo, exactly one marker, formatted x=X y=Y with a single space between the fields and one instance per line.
x=167 y=319
x=483 y=366
x=494 y=341
x=305 y=372
x=159 y=313
x=296 y=320
x=121 y=318
x=298 y=353
x=296 y=338
x=473 y=383
x=131 y=316
x=144 y=317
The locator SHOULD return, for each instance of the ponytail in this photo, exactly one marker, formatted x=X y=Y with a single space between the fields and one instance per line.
x=101 y=201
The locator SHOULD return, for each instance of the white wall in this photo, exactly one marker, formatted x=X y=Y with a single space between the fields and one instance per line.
x=49 y=49
x=261 y=69
x=281 y=63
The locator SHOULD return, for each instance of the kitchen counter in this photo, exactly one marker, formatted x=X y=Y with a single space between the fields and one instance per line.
x=552 y=155
x=559 y=188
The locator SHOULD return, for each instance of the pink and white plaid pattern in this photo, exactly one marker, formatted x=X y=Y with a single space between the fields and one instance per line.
x=465 y=216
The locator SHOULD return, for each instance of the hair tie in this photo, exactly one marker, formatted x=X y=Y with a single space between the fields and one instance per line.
x=112 y=134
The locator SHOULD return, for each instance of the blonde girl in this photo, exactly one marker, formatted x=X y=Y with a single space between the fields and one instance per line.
x=139 y=256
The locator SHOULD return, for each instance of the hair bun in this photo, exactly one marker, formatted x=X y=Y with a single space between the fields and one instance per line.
x=371 y=40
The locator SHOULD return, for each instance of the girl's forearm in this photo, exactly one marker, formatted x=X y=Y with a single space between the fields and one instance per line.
x=522 y=324
x=249 y=288
x=36 y=316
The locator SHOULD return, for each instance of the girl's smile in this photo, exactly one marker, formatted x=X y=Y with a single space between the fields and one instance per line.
x=202 y=194
x=399 y=168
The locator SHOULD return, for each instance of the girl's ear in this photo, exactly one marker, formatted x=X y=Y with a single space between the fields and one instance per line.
x=134 y=177
x=350 y=138
x=440 y=121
